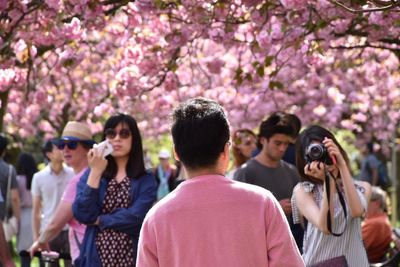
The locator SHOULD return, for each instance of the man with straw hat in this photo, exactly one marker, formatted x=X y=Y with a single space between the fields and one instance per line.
x=74 y=143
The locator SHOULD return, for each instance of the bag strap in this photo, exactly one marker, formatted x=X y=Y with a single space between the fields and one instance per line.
x=8 y=195
x=341 y=200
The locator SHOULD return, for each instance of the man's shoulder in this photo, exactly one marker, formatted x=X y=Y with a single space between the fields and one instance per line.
x=4 y=166
x=42 y=173
x=250 y=165
x=250 y=189
x=288 y=166
x=234 y=189
x=68 y=170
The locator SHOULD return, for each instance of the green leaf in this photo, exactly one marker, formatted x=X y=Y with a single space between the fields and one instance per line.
x=268 y=61
x=260 y=71
x=248 y=77
x=238 y=75
x=275 y=84
x=274 y=73
x=255 y=64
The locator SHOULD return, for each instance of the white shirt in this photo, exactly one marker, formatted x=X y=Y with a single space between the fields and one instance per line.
x=49 y=187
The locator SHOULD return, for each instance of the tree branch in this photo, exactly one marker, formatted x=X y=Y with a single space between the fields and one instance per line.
x=366 y=10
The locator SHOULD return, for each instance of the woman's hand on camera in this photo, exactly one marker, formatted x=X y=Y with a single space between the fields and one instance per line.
x=334 y=151
x=315 y=169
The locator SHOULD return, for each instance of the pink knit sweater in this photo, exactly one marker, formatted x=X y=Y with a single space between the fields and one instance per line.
x=213 y=221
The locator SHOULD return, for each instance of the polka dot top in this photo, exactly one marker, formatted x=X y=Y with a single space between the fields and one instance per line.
x=115 y=248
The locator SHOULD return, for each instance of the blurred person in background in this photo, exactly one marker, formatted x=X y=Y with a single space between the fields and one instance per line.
x=8 y=173
x=166 y=174
x=244 y=142
x=269 y=170
x=290 y=154
x=48 y=186
x=376 y=229
x=26 y=168
x=75 y=142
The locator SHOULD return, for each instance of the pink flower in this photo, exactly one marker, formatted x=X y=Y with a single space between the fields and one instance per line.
x=359 y=117
x=294 y=4
x=215 y=66
x=3 y=4
x=101 y=109
x=54 y=4
x=263 y=39
x=32 y=51
x=72 y=30
x=171 y=82
x=21 y=51
x=7 y=77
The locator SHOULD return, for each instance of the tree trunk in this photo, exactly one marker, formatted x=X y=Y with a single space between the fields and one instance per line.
x=3 y=107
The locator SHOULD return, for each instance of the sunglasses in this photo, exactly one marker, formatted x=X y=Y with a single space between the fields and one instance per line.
x=72 y=145
x=111 y=133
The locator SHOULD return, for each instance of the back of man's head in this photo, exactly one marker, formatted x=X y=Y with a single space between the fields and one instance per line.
x=296 y=124
x=3 y=144
x=46 y=148
x=377 y=194
x=277 y=123
x=200 y=131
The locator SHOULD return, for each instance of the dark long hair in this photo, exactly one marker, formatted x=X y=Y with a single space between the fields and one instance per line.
x=26 y=165
x=313 y=133
x=135 y=166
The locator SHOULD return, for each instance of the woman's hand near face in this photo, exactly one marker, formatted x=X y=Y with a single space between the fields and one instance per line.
x=97 y=164
x=315 y=169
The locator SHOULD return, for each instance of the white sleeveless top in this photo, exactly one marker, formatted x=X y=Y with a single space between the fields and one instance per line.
x=318 y=246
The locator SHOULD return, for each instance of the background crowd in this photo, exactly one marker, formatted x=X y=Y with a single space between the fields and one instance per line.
x=90 y=208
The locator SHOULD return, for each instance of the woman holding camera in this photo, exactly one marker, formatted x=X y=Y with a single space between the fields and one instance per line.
x=114 y=197
x=328 y=202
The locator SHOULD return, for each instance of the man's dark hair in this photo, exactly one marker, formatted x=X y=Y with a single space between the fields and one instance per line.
x=26 y=165
x=47 y=147
x=277 y=123
x=200 y=131
x=3 y=144
x=296 y=124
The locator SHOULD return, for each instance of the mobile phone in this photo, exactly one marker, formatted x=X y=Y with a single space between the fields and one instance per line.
x=106 y=146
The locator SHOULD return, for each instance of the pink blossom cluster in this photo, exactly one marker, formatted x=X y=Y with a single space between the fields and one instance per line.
x=84 y=60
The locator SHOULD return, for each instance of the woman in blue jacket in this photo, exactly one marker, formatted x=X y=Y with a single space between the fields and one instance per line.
x=113 y=197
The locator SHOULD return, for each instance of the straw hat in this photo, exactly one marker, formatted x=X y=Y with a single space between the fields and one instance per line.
x=77 y=131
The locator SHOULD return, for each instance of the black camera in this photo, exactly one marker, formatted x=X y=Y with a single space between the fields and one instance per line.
x=317 y=152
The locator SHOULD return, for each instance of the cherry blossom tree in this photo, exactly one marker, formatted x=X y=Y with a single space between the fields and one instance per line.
x=330 y=62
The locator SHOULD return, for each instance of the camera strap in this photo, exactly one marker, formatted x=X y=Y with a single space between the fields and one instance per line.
x=341 y=200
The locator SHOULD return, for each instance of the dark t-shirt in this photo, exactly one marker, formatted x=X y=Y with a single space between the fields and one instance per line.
x=280 y=181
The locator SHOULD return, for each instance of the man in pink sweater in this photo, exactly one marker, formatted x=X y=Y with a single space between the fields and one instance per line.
x=210 y=220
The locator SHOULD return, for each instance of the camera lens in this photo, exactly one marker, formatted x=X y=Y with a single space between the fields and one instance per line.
x=315 y=152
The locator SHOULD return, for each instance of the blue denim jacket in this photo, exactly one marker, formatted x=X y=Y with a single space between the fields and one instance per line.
x=87 y=208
